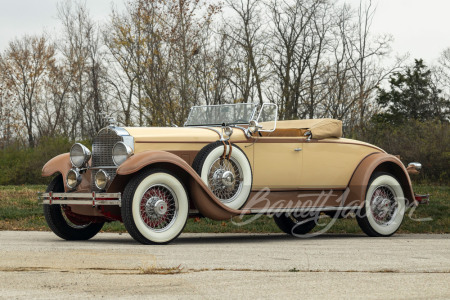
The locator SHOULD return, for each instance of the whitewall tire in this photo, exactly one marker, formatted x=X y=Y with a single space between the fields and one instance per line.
x=384 y=206
x=155 y=207
x=230 y=179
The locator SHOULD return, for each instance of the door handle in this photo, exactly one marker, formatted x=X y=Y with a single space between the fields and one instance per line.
x=298 y=149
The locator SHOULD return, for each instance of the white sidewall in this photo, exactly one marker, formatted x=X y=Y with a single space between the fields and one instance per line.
x=241 y=159
x=182 y=213
x=399 y=196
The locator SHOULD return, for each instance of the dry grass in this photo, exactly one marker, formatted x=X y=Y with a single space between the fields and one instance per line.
x=19 y=211
x=155 y=270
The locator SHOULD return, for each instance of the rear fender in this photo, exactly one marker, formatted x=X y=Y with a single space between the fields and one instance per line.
x=199 y=193
x=377 y=162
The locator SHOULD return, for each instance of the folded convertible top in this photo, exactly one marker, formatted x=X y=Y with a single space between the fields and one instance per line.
x=319 y=128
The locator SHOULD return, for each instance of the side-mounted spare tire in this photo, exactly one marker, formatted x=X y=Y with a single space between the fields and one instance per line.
x=229 y=177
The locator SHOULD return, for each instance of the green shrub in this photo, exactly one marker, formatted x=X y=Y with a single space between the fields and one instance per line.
x=22 y=165
x=427 y=142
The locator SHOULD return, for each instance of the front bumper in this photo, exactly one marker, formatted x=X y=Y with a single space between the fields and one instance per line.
x=93 y=198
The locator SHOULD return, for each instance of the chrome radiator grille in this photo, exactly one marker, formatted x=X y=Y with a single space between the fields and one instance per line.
x=102 y=153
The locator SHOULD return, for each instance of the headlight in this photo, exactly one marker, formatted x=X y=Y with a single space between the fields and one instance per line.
x=73 y=178
x=101 y=179
x=121 y=152
x=79 y=155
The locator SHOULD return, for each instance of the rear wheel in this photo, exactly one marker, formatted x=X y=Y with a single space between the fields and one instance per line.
x=295 y=225
x=62 y=222
x=384 y=206
x=155 y=207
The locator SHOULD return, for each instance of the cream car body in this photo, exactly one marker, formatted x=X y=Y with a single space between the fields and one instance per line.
x=298 y=161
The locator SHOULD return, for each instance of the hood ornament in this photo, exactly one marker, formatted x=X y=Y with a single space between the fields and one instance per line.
x=109 y=119
x=112 y=121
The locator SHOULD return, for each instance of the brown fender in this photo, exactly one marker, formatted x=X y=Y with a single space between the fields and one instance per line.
x=377 y=162
x=204 y=200
x=58 y=164
x=61 y=164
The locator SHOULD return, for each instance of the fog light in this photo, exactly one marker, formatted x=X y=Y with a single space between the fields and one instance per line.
x=73 y=178
x=101 y=179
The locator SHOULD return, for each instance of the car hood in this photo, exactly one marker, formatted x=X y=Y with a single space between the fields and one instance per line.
x=173 y=134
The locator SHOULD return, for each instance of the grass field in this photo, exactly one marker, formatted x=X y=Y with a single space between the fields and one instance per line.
x=19 y=211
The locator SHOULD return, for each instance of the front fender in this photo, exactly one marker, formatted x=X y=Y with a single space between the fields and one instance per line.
x=377 y=162
x=58 y=164
x=202 y=197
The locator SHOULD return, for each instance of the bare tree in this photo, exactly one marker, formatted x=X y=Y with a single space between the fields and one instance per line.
x=80 y=45
x=291 y=52
x=246 y=29
x=25 y=64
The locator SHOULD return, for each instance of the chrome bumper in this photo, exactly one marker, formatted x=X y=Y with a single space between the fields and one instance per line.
x=93 y=198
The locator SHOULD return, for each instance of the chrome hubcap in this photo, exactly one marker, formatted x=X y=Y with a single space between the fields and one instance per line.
x=158 y=207
x=225 y=179
x=155 y=207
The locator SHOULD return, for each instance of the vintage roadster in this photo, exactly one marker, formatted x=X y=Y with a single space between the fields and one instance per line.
x=226 y=160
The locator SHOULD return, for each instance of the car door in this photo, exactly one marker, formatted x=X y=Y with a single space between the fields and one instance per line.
x=277 y=163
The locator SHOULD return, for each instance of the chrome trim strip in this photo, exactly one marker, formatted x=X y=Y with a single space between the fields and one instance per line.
x=103 y=167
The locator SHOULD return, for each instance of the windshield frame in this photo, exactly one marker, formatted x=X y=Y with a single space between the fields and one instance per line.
x=252 y=115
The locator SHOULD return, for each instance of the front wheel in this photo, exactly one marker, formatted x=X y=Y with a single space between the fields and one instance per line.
x=64 y=224
x=155 y=207
x=384 y=206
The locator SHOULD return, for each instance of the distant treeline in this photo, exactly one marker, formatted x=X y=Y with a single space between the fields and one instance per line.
x=148 y=64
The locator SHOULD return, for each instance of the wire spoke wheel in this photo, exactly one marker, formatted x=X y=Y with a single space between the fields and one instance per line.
x=226 y=170
x=158 y=207
x=383 y=205
x=155 y=206
x=225 y=179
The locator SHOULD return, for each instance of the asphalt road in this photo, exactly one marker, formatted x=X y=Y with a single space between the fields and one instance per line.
x=39 y=265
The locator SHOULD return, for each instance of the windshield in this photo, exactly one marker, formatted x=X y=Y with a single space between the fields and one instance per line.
x=207 y=115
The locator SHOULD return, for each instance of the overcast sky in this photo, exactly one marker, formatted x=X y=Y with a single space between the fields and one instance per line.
x=419 y=27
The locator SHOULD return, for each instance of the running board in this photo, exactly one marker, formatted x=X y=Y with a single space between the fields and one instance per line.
x=303 y=209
